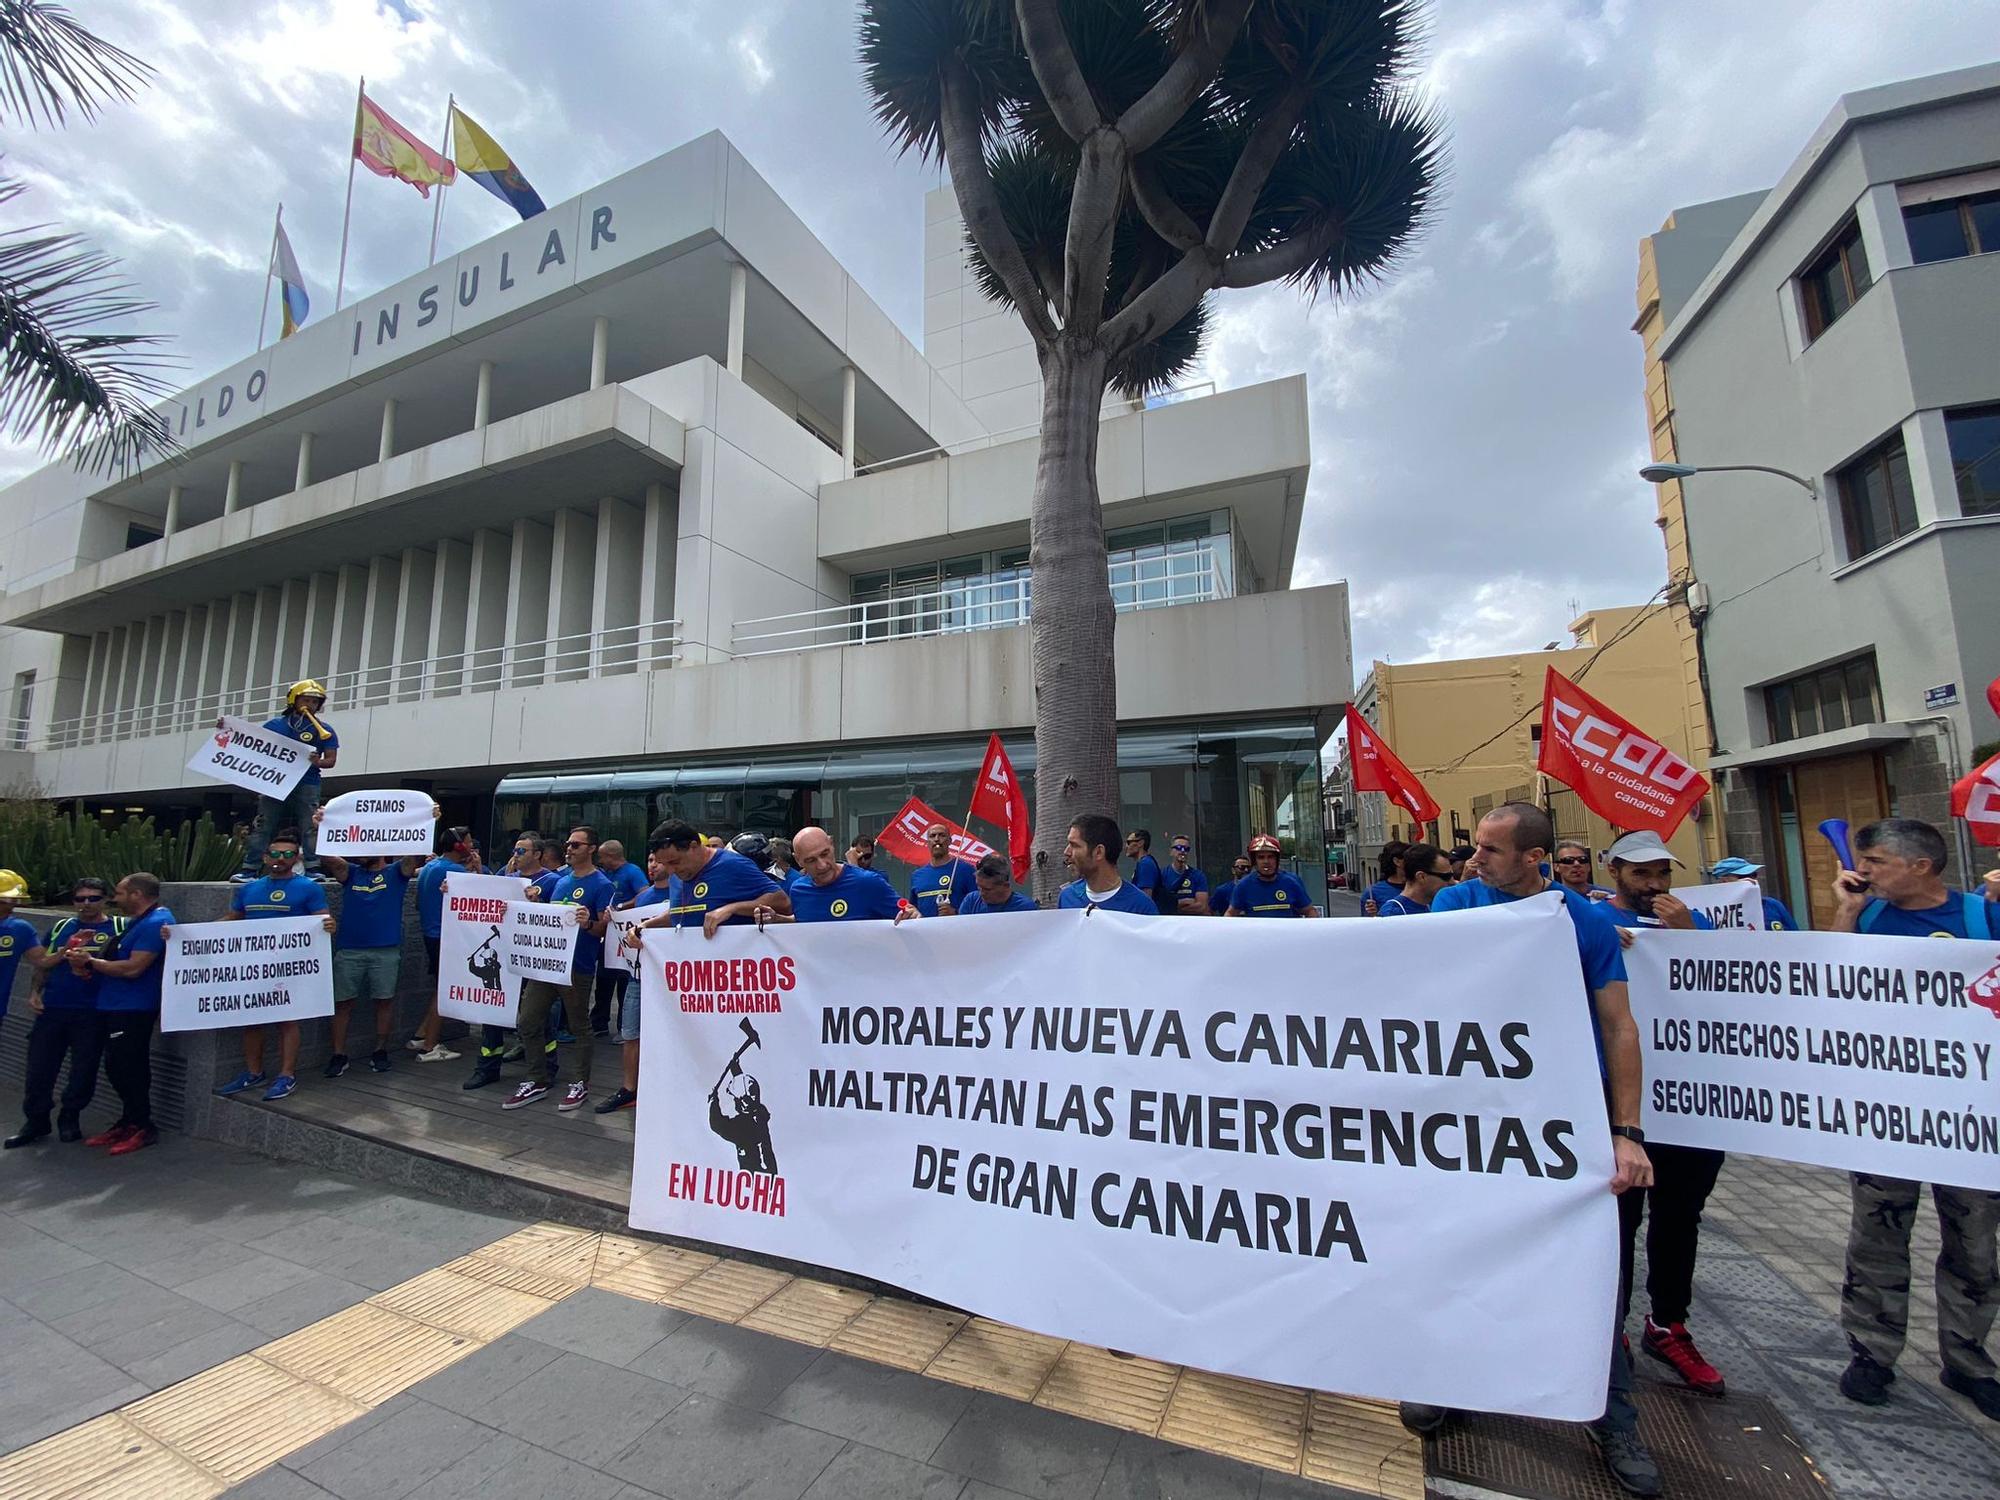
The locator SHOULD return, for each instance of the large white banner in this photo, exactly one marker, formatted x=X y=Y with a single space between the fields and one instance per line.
x=1871 y=1054
x=246 y=973
x=474 y=983
x=1732 y=905
x=361 y=825
x=249 y=755
x=541 y=939
x=1248 y=1146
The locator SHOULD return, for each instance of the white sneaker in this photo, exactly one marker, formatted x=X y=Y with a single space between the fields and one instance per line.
x=415 y=1044
x=439 y=1053
x=574 y=1097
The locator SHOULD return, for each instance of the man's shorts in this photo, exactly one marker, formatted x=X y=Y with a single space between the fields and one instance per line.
x=628 y=1010
x=366 y=973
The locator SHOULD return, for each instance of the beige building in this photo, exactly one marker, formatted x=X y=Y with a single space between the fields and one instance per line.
x=1471 y=730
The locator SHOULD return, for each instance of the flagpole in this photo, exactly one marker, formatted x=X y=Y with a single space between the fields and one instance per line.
x=340 y=280
x=444 y=150
x=270 y=262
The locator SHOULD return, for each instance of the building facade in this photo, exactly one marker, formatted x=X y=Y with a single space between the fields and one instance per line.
x=644 y=507
x=1471 y=730
x=1840 y=327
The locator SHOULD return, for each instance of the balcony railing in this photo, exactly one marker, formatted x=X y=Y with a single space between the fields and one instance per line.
x=988 y=603
x=610 y=652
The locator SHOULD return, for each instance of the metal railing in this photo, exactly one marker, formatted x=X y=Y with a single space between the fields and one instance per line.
x=977 y=604
x=613 y=651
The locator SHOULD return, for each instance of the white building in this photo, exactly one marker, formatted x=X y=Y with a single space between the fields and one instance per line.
x=643 y=507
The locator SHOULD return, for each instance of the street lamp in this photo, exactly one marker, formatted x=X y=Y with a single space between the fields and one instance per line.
x=1661 y=473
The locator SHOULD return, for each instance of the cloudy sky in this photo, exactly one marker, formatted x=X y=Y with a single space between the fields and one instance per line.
x=1476 y=422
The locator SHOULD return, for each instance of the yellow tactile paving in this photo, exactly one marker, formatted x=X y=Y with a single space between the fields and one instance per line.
x=368 y=1353
x=807 y=1311
x=1246 y=1419
x=1114 y=1389
x=1362 y=1444
x=241 y=1417
x=615 y=1250
x=462 y=1304
x=514 y=1278
x=555 y=1249
x=727 y=1290
x=990 y=1356
x=654 y=1274
x=902 y=1334
x=107 y=1456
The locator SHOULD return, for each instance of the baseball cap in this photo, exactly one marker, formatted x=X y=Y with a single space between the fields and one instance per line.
x=1639 y=849
x=1734 y=866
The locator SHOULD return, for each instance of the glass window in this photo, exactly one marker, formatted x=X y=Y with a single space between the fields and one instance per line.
x=1862 y=692
x=1974 y=434
x=1984 y=213
x=1832 y=700
x=1778 y=708
x=1805 y=705
x=1937 y=231
x=1835 y=281
x=1876 y=501
x=1821 y=701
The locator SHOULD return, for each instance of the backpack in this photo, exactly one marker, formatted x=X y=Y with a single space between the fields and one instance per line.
x=1978 y=916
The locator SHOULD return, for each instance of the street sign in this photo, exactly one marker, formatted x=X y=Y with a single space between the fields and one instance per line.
x=1944 y=695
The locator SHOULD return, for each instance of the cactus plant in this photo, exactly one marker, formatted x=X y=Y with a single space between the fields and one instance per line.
x=51 y=848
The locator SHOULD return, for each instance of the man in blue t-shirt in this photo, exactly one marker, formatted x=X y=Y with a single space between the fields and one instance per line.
x=300 y=721
x=457 y=854
x=587 y=889
x=944 y=880
x=1512 y=842
x=1184 y=889
x=1426 y=871
x=1268 y=891
x=995 y=876
x=1146 y=869
x=128 y=1007
x=1897 y=889
x=826 y=890
x=18 y=938
x=1777 y=916
x=659 y=893
x=65 y=1005
x=713 y=887
x=279 y=892
x=627 y=880
x=1219 y=898
x=368 y=944
x=1091 y=852
x=1391 y=883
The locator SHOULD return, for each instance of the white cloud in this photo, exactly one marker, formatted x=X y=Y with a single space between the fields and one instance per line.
x=748 y=46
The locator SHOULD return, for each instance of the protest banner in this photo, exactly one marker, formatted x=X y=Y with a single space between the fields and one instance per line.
x=250 y=756
x=1732 y=905
x=1869 y=1054
x=361 y=825
x=1310 y=1180
x=539 y=940
x=621 y=938
x=474 y=983
x=246 y=973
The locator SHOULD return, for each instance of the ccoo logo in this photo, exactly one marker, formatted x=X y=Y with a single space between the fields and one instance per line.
x=1620 y=746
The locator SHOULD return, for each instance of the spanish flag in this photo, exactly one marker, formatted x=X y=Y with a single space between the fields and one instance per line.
x=481 y=159
x=388 y=150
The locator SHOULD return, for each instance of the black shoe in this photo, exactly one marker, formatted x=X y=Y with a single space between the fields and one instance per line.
x=622 y=1099
x=1983 y=1391
x=1628 y=1461
x=378 y=1060
x=481 y=1076
x=27 y=1135
x=67 y=1129
x=335 y=1065
x=1420 y=1419
x=1865 y=1381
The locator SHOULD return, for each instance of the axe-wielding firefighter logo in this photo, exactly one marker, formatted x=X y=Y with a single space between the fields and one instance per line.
x=747 y=1125
x=484 y=964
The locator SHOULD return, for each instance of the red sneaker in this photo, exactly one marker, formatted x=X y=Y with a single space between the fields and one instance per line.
x=1671 y=1345
x=138 y=1140
x=110 y=1137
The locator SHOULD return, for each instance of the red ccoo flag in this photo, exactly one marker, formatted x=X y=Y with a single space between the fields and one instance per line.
x=997 y=797
x=1975 y=796
x=904 y=837
x=1624 y=777
x=1376 y=769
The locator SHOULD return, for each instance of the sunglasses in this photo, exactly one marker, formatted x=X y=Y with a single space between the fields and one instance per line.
x=1182 y=848
x=1574 y=859
x=284 y=854
x=85 y=898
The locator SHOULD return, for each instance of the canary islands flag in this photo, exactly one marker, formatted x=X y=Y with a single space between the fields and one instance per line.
x=291 y=285
x=479 y=157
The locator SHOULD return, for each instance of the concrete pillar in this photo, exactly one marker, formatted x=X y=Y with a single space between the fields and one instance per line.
x=486 y=617
x=378 y=628
x=236 y=652
x=263 y=667
x=214 y=644
x=316 y=641
x=304 y=476
x=847 y=420
x=1933 y=476
x=614 y=595
x=739 y=299
x=350 y=607
x=173 y=509
x=94 y=673
x=146 y=686
x=482 y=398
x=572 y=570
x=661 y=520
x=445 y=647
x=600 y=351
x=167 y=680
x=187 y=676
x=414 y=602
x=528 y=602
x=114 y=687
x=386 y=449
x=1879 y=216
x=232 y=491
x=294 y=605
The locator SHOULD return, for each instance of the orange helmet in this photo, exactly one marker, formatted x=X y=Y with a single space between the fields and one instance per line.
x=1263 y=843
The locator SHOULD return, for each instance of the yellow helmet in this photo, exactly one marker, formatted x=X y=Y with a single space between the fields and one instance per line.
x=12 y=886
x=305 y=689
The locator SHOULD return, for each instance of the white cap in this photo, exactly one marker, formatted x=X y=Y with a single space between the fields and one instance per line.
x=1639 y=849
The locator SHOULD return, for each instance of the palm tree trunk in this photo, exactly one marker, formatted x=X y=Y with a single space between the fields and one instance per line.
x=1076 y=680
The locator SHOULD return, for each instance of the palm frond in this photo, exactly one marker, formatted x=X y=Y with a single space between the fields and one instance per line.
x=50 y=64
x=905 y=46
x=1034 y=188
x=1157 y=363
x=65 y=381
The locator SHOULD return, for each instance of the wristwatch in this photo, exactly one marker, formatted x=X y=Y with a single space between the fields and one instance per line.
x=1631 y=1133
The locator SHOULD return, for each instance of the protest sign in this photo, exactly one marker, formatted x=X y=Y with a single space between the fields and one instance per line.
x=361 y=825
x=621 y=938
x=474 y=983
x=1870 y=1054
x=250 y=756
x=1311 y=1180
x=540 y=940
x=1732 y=905
x=246 y=973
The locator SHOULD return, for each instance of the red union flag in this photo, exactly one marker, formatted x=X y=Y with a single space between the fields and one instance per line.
x=1976 y=798
x=1626 y=778
x=997 y=797
x=904 y=837
x=1376 y=769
